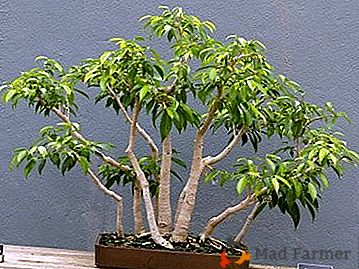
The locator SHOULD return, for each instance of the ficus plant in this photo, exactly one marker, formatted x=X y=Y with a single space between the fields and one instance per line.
x=200 y=83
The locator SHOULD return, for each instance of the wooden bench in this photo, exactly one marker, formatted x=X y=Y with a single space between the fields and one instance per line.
x=20 y=257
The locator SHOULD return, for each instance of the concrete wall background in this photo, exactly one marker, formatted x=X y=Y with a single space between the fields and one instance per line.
x=313 y=42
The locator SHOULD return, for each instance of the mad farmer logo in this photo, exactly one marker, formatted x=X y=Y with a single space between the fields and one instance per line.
x=225 y=261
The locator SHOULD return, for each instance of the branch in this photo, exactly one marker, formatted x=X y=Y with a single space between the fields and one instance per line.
x=212 y=111
x=212 y=160
x=156 y=236
x=117 y=198
x=164 y=195
x=80 y=137
x=247 y=224
x=313 y=120
x=141 y=131
x=228 y=212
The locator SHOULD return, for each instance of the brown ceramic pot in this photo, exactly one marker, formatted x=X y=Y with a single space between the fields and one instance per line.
x=137 y=258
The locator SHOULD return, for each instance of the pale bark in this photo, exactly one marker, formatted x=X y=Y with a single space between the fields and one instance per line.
x=164 y=198
x=215 y=159
x=117 y=198
x=209 y=161
x=224 y=215
x=228 y=212
x=80 y=137
x=247 y=224
x=184 y=218
x=140 y=130
x=155 y=206
x=180 y=203
x=137 y=210
x=156 y=236
x=119 y=220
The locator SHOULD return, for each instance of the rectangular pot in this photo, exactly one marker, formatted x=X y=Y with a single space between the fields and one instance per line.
x=141 y=258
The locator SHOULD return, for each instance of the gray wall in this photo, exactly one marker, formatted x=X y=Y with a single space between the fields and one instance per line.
x=313 y=42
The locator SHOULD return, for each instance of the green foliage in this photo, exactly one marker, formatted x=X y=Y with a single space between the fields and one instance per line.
x=43 y=88
x=201 y=77
x=291 y=178
x=57 y=145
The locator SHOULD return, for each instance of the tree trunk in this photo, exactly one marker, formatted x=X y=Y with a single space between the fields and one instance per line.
x=180 y=203
x=119 y=217
x=164 y=197
x=184 y=217
x=137 y=210
x=155 y=206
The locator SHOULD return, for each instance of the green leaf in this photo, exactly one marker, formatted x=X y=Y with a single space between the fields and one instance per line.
x=312 y=191
x=41 y=166
x=85 y=165
x=143 y=92
x=322 y=154
x=105 y=56
x=212 y=74
x=283 y=180
x=165 y=125
x=324 y=180
x=241 y=185
x=252 y=84
x=145 y=17
x=163 y=7
x=297 y=188
x=55 y=159
x=210 y=176
x=30 y=165
x=67 y=164
x=21 y=156
x=275 y=184
x=271 y=164
x=8 y=95
x=294 y=212
x=210 y=25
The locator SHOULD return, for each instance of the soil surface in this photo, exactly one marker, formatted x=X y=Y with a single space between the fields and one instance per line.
x=192 y=244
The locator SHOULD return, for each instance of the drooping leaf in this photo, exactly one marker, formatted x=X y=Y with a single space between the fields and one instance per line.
x=275 y=184
x=312 y=191
x=29 y=166
x=241 y=185
x=294 y=212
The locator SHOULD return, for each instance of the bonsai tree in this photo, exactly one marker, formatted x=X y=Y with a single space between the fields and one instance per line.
x=199 y=83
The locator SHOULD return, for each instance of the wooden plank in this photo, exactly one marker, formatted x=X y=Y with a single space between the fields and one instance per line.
x=36 y=257
x=22 y=257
